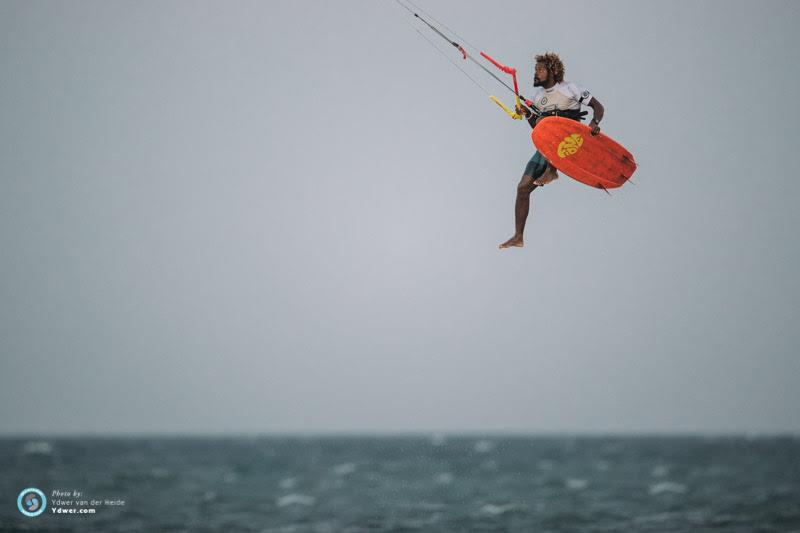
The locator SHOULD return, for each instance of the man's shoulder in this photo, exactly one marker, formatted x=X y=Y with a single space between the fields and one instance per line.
x=537 y=91
x=571 y=87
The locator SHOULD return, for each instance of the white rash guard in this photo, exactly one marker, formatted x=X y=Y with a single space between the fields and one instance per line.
x=561 y=96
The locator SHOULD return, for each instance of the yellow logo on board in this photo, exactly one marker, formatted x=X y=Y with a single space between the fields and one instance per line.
x=570 y=145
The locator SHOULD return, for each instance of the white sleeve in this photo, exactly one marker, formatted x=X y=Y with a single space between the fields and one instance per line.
x=579 y=93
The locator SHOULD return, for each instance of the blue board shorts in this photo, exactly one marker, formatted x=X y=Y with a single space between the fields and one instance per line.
x=536 y=166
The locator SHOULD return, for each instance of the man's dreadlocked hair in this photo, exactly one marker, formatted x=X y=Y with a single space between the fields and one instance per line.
x=554 y=65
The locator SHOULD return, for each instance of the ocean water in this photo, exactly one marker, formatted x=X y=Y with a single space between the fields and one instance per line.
x=412 y=483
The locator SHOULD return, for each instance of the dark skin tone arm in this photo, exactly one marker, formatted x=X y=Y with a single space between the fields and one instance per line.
x=598 y=110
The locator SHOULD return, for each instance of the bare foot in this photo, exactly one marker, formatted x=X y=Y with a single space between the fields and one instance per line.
x=513 y=241
x=549 y=175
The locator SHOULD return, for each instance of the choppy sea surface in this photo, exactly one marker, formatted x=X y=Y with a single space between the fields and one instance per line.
x=410 y=483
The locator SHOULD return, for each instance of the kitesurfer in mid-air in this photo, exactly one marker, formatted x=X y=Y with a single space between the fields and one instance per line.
x=553 y=97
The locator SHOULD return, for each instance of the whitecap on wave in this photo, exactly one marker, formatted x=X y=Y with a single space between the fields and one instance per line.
x=344 y=469
x=576 y=484
x=667 y=487
x=37 y=447
x=496 y=510
x=484 y=446
x=295 y=499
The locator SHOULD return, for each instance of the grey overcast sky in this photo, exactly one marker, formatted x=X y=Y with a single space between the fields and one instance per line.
x=284 y=215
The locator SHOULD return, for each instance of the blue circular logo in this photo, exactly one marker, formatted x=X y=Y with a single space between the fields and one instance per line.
x=31 y=502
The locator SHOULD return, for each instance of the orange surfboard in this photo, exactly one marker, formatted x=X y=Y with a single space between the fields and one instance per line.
x=596 y=160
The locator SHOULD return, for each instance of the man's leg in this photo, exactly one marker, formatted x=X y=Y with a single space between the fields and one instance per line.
x=521 y=208
x=549 y=175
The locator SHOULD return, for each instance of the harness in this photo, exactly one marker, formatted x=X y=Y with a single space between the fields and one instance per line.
x=573 y=114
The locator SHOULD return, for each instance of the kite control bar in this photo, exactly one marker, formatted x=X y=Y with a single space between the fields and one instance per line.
x=513 y=72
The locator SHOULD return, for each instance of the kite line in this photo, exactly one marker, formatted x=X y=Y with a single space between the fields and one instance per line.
x=408 y=5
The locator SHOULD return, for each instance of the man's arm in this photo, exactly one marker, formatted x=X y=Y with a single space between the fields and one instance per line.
x=530 y=116
x=598 y=109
